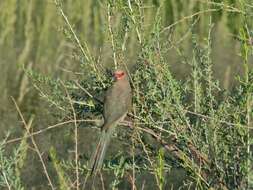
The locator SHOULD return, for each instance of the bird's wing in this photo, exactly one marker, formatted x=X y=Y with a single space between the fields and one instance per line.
x=116 y=104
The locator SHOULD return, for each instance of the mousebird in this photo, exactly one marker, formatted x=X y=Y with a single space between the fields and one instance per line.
x=117 y=102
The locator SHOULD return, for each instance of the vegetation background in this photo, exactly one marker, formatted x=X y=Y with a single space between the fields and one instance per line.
x=190 y=65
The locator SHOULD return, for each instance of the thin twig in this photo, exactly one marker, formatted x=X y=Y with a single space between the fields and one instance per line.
x=86 y=92
x=85 y=180
x=47 y=129
x=76 y=136
x=102 y=181
x=6 y=181
x=208 y=117
x=134 y=21
x=223 y=6
x=86 y=53
x=34 y=143
x=147 y=154
x=172 y=148
x=132 y=181
x=111 y=35
x=73 y=32
x=188 y=17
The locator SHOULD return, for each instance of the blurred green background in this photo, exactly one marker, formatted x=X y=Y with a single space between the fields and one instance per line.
x=33 y=35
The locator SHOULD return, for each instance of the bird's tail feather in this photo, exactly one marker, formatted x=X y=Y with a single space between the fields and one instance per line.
x=96 y=161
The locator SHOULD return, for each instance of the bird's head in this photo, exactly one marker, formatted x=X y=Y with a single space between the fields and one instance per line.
x=119 y=74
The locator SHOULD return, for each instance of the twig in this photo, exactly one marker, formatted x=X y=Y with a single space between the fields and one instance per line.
x=111 y=35
x=223 y=6
x=208 y=117
x=188 y=17
x=190 y=112
x=132 y=181
x=198 y=157
x=76 y=136
x=47 y=129
x=6 y=181
x=172 y=148
x=147 y=154
x=89 y=94
x=85 y=180
x=73 y=32
x=134 y=21
x=102 y=181
x=34 y=143
x=132 y=152
x=86 y=54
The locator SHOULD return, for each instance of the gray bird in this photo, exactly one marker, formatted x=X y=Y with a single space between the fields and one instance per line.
x=118 y=100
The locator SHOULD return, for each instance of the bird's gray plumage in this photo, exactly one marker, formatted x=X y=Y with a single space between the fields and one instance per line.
x=118 y=100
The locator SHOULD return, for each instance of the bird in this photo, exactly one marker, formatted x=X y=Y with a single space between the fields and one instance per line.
x=117 y=102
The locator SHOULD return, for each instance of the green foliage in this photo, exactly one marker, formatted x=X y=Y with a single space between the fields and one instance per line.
x=64 y=182
x=160 y=169
x=64 y=51
x=8 y=176
x=119 y=171
x=159 y=98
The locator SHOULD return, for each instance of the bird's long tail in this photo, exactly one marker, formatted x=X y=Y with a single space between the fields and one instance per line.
x=96 y=161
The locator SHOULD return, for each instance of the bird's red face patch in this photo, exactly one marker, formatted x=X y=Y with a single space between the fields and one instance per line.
x=119 y=75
